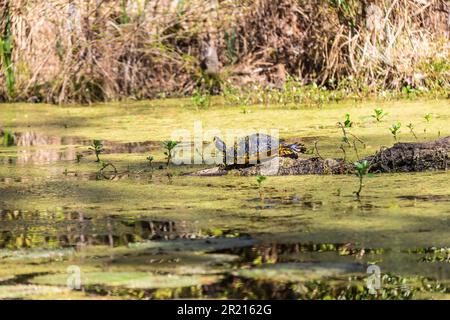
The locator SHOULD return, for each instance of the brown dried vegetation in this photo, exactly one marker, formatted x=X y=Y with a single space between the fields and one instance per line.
x=99 y=50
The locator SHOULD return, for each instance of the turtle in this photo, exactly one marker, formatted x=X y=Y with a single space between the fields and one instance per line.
x=259 y=145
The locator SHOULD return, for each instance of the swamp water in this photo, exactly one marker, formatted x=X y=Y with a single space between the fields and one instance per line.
x=148 y=232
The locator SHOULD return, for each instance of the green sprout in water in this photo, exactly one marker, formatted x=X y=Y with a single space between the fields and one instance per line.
x=150 y=160
x=169 y=146
x=348 y=123
x=395 y=129
x=427 y=118
x=97 y=147
x=8 y=139
x=200 y=99
x=260 y=179
x=410 y=126
x=361 y=170
x=79 y=156
x=379 y=114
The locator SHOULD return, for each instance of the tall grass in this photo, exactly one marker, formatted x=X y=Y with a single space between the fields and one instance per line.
x=90 y=50
x=6 y=49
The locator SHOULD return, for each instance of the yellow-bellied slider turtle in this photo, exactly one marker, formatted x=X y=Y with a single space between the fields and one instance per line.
x=256 y=147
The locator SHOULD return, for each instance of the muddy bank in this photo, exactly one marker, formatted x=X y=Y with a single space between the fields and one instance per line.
x=402 y=157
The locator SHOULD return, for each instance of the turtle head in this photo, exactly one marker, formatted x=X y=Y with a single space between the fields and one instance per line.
x=219 y=144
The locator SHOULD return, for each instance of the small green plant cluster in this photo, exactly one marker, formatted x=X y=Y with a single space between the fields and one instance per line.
x=433 y=254
x=379 y=114
x=260 y=179
x=78 y=158
x=347 y=122
x=346 y=134
x=150 y=160
x=410 y=126
x=201 y=99
x=412 y=93
x=295 y=92
x=169 y=146
x=361 y=170
x=291 y=92
x=8 y=139
x=395 y=130
x=97 y=147
x=437 y=70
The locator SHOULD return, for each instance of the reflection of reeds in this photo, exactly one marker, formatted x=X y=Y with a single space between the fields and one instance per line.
x=84 y=51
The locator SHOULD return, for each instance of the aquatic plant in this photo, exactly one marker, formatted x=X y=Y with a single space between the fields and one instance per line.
x=235 y=95
x=427 y=118
x=434 y=254
x=201 y=99
x=410 y=126
x=169 y=176
x=379 y=114
x=260 y=179
x=150 y=160
x=169 y=146
x=361 y=170
x=348 y=123
x=345 y=138
x=78 y=157
x=395 y=130
x=97 y=147
x=8 y=139
x=410 y=92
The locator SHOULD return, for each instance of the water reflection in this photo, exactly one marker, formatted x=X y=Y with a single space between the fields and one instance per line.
x=304 y=201
x=234 y=287
x=38 y=148
x=432 y=198
x=293 y=252
x=23 y=229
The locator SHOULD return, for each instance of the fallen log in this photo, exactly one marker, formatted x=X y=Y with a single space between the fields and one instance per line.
x=401 y=157
x=412 y=157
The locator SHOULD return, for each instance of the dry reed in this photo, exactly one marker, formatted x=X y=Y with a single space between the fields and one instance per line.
x=100 y=50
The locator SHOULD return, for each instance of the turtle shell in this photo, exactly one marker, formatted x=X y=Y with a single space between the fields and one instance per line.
x=255 y=148
x=257 y=144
